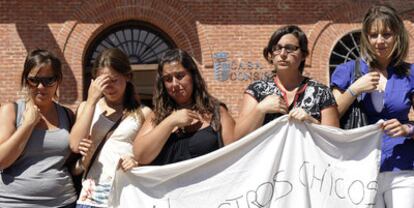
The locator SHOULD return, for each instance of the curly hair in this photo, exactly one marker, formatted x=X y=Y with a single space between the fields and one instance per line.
x=203 y=102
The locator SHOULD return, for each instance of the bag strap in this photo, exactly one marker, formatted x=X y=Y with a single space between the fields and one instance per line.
x=70 y=118
x=357 y=75
x=73 y=157
x=99 y=148
x=220 y=139
x=19 y=106
x=16 y=109
x=357 y=70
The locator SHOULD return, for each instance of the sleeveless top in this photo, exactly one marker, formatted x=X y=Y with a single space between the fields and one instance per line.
x=39 y=178
x=98 y=182
x=185 y=146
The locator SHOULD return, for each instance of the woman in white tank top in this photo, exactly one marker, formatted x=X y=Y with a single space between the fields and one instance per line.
x=112 y=114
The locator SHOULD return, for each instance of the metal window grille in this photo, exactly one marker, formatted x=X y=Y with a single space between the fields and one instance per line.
x=346 y=49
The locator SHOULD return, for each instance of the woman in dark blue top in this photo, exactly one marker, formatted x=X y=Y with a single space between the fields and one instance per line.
x=386 y=89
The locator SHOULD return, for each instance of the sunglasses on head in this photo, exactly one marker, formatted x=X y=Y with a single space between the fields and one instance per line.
x=178 y=75
x=46 y=81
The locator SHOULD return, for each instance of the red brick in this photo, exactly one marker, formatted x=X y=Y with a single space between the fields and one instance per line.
x=202 y=28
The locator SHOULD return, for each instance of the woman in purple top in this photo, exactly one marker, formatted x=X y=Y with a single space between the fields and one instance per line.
x=386 y=89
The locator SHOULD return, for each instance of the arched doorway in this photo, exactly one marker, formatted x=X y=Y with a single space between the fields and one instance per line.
x=142 y=42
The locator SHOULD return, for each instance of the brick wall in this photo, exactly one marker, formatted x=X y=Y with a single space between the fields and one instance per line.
x=202 y=27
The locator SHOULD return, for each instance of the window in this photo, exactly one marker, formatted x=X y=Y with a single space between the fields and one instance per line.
x=346 y=49
x=141 y=42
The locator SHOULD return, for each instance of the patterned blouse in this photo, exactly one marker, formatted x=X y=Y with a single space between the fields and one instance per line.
x=311 y=96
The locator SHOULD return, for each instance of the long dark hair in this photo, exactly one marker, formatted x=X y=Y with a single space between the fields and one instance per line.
x=117 y=60
x=204 y=103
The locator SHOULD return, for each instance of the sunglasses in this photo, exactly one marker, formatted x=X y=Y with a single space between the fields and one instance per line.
x=46 y=81
x=277 y=49
x=178 y=75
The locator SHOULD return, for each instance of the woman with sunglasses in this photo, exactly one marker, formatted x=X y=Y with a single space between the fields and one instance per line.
x=34 y=140
x=387 y=92
x=288 y=92
x=110 y=119
x=187 y=121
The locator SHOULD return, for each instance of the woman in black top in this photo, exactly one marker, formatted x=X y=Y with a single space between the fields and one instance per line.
x=288 y=92
x=187 y=121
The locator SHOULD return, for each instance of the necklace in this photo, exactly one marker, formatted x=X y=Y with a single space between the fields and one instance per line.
x=186 y=106
x=113 y=105
x=112 y=111
x=181 y=131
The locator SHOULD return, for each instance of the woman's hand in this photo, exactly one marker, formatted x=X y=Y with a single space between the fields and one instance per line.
x=183 y=117
x=128 y=162
x=367 y=83
x=301 y=115
x=97 y=87
x=394 y=128
x=31 y=115
x=85 y=147
x=273 y=104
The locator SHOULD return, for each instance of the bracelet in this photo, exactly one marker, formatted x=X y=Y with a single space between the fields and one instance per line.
x=411 y=130
x=351 y=92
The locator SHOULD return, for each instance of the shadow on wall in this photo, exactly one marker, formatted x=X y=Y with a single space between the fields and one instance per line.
x=67 y=90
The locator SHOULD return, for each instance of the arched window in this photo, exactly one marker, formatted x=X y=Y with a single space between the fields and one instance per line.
x=346 y=49
x=141 y=42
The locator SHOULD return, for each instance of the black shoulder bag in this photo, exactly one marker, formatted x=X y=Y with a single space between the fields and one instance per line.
x=355 y=116
x=73 y=158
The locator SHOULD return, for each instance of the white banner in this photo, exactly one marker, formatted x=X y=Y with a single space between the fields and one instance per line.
x=283 y=164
